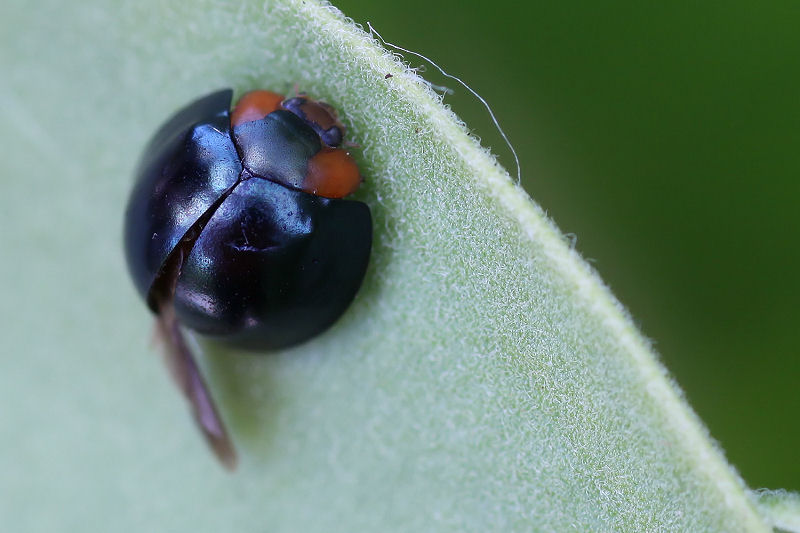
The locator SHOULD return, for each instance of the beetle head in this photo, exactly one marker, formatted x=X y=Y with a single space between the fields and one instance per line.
x=320 y=116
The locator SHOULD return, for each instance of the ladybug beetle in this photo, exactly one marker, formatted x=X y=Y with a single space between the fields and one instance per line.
x=237 y=229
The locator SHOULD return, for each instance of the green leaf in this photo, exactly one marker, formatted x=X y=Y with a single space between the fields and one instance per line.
x=781 y=509
x=484 y=379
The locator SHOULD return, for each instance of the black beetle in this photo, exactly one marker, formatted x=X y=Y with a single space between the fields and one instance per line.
x=236 y=228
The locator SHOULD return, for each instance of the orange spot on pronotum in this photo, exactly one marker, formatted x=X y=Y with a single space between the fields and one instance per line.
x=255 y=105
x=332 y=173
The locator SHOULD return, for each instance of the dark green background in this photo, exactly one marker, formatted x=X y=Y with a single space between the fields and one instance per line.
x=666 y=138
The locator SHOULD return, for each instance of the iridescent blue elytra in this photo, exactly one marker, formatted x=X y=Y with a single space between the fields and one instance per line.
x=238 y=230
x=274 y=265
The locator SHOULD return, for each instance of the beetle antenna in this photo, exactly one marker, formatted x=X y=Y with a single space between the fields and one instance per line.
x=467 y=87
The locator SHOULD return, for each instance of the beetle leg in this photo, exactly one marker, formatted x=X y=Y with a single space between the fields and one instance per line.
x=187 y=376
x=179 y=358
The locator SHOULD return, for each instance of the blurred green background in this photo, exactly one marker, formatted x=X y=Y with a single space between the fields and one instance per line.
x=665 y=137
